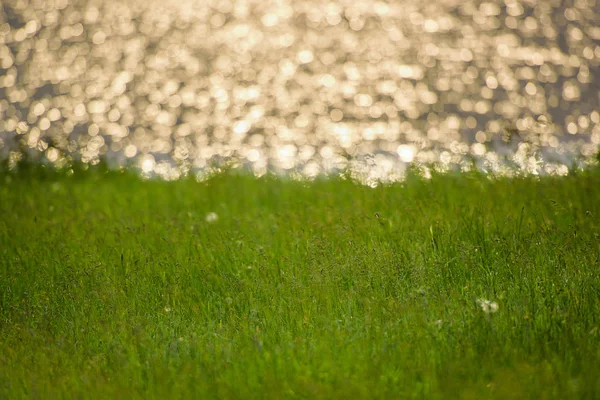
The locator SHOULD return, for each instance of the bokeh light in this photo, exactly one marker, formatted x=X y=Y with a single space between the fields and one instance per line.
x=302 y=87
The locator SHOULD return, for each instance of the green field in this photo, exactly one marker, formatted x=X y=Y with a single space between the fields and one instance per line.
x=116 y=287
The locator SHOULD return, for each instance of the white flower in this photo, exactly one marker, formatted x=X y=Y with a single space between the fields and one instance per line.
x=487 y=306
x=211 y=217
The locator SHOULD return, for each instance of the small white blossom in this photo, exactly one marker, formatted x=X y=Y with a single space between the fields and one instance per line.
x=487 y=306
x=211 y=217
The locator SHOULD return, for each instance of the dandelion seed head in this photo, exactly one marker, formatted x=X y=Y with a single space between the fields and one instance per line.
x=211 y=217
x=487 y=306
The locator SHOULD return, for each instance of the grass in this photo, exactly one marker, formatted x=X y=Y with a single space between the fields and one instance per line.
x=115 y=287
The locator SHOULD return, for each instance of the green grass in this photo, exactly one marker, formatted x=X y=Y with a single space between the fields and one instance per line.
x=115 y=287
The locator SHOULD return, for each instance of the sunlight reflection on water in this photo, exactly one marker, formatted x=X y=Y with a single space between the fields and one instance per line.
x=303 y=87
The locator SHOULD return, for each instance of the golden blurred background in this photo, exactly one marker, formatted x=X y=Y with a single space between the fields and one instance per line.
x=302 y=87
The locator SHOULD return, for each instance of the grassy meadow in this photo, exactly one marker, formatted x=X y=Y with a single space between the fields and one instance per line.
x=237 y=287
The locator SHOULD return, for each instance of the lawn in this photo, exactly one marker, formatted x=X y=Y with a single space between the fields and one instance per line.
x=463 y=286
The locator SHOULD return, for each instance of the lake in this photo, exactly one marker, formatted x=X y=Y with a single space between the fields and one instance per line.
x=302 y=88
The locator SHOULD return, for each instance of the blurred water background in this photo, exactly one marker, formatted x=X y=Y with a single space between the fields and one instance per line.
x=302 y=87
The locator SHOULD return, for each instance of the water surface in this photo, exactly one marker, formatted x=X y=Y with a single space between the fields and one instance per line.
x=302 y=87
